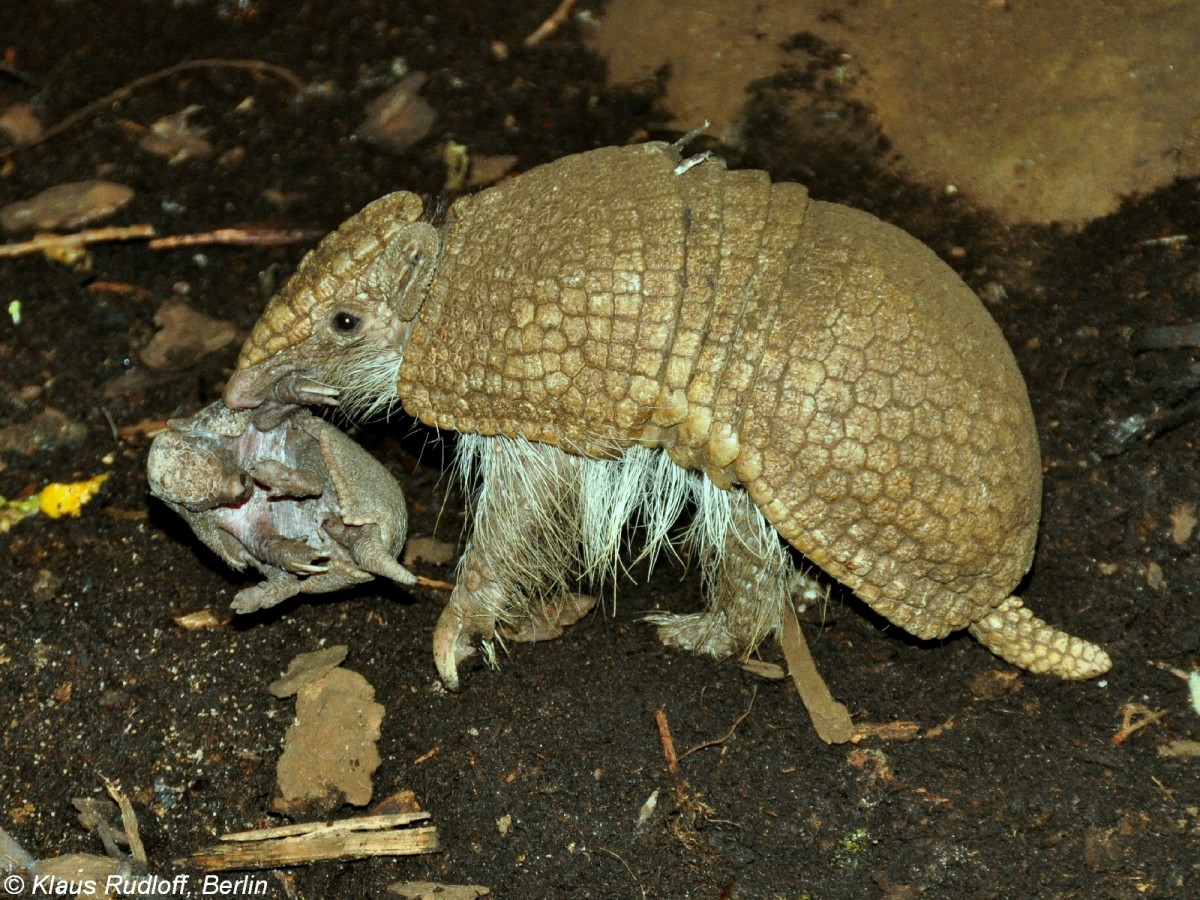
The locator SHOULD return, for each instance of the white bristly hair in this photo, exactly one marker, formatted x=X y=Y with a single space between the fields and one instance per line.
x=547 y=520
x=366 y=381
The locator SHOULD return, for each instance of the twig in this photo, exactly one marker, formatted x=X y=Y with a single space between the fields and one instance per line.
x=627 y=869
x=254 y=237
x=89 y=236
x=1135 y=717
x=128 y=822
x=668 y=742
x=264 y=237
x=732 y=728
x=1170 y=240
x=1170 y=669
x=123 y=92
x=551 y=24
x=435 y=583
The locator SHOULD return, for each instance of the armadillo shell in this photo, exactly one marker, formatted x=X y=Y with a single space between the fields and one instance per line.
x=827 y=361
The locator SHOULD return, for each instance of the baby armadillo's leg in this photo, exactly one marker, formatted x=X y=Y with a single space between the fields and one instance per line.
x=1015 y=634
x=369 y=550
x=749 y=577
x=522 y=546
x=278 y=587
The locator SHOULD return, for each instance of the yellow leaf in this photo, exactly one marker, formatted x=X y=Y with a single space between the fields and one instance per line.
x=66 y=499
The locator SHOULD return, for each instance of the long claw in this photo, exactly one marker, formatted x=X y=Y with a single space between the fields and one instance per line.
x=252 y=387
x=302 y=390
x=308 y=568
x=449 y=645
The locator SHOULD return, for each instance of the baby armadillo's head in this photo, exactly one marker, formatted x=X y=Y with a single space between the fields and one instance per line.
x=336 y=333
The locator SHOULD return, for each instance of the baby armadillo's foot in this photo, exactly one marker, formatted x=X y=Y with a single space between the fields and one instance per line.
x=1016 y=635
x=282 y=480
x=292 y=555
x=278 y=587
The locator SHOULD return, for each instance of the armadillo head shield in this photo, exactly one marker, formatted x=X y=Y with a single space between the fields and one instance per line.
x=350 y=303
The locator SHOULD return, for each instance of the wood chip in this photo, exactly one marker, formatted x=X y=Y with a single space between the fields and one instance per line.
x=20 y=125
x=430 y=890
x=1180 y=749
x=292 y=845
x=1183 y=522
x=760 y=668
x=201 y=620
x=903 y=732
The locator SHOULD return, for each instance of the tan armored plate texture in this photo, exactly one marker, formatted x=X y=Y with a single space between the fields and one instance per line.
x=824 y=359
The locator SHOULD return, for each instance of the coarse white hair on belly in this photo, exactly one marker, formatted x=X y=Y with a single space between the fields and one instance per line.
x=548 y=523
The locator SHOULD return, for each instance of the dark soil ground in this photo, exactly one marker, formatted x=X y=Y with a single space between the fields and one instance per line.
x=1015 y=788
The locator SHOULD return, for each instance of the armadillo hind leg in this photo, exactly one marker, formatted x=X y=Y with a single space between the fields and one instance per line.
x=1016 y=635
x=749 y=578
x=521 y=549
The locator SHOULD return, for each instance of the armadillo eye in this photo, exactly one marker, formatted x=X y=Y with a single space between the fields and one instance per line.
x=344 y=322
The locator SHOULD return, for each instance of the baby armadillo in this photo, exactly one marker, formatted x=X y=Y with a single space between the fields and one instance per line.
x=622 y=333
x=285 y=492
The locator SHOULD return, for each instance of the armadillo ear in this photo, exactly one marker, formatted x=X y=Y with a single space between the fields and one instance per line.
x=402 y=271
x=401 y=207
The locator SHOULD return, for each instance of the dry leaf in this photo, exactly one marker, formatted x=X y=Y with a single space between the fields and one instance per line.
x=66 y=206
x=398 y=118
x=430 y=550
x=552 y=620
x=175 y=138
x=185 y=336
x=307 y=668
x=330 y=755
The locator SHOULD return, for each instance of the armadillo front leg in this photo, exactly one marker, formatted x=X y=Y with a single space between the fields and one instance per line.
x=521 y=549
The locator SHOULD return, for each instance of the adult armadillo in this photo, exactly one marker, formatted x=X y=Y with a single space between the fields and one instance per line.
x=620 y=332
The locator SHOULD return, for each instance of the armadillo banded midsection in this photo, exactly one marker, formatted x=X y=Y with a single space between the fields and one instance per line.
x=683 y=334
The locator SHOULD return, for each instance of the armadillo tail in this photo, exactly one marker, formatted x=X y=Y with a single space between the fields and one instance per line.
x=1016 y=635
